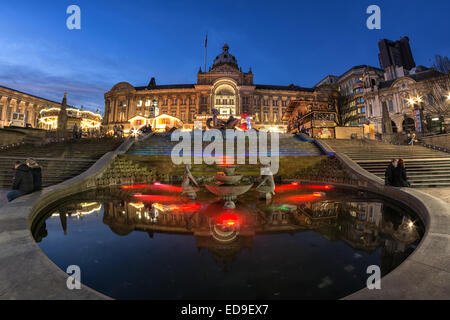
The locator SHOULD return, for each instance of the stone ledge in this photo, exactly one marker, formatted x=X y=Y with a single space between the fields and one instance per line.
x=25 y=271
x=425 y=274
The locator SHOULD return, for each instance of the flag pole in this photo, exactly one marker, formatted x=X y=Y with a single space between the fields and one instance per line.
x=206 y=48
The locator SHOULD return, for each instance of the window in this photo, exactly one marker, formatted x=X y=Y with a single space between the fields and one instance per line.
x=363 y=110
x=283 y=103
x=275 y=116
x=183 y=115
x=8 y=113
x=391 y=106
x=139 y=103
x=274 y=103
x=147 y=103
x=266 y=117
x=245 y=100
x=266 y=102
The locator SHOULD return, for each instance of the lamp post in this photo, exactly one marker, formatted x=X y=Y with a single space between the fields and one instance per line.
x=416 y=103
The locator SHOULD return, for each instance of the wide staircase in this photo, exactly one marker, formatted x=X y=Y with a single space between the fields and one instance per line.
x=59 y=160
x=161 y=144
x=426 y=168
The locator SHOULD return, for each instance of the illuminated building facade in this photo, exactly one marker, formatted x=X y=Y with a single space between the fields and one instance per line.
x=14 y=101
x=317 y=113
x=48 y=119
x=41 y=113
x=224 y=87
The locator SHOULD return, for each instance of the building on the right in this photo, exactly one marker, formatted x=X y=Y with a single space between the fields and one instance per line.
x=394 y=54
x=409 y=99
x=415 y=98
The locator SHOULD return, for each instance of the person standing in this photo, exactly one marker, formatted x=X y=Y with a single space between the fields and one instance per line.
x=75 y=131
x=413 y=139
x=389 y=173
x=36 y=171
x=22 y=183
x=400 y=178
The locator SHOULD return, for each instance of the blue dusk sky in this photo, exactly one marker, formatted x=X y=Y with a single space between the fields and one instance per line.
x=283 y=42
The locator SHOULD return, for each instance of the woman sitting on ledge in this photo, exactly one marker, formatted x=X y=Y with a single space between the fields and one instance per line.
x=36 y=171
x=22 y=183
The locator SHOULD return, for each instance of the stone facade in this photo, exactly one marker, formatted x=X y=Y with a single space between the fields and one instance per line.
x=396 y=95
x=15 y=101
x=224 y=87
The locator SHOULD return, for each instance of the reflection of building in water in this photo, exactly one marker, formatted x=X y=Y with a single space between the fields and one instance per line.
x=224 y=253
x=317 y=214
x=362 y=225
x=74 y=209
x=367 y=224
x=80 y=209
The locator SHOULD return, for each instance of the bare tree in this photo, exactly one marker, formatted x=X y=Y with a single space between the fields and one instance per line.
x=439 y=96
x=441 y=64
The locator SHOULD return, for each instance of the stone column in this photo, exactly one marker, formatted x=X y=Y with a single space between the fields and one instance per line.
x=33 y=115
x=8 y=105
x=132 y=107
x=114 y=109
x=3 y=112
x=107 y=111
x=271 y=109
x=128 y=113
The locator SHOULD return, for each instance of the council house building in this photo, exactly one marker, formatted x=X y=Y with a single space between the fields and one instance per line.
x=224 y=87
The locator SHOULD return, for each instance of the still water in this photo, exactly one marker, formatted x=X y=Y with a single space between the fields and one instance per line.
x=148 y=242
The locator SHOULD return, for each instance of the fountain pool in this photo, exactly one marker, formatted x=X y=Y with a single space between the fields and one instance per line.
x=149 y=242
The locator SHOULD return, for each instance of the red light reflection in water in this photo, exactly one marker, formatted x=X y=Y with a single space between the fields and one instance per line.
x=295 y=184
x=321 y=187
x=159 y=185
x=137 y=186
x=304 y=197
x=157 y=198
x=185 y=207
x=228 y=219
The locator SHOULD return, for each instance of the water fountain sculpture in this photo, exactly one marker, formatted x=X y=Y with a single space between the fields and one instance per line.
x=228 y=187
x=267 y=185
x=215 y=123
x=189 y=184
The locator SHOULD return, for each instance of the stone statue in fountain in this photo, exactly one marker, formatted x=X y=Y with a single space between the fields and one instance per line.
x=214 y=123
x=267 y=185
x=189 y=184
